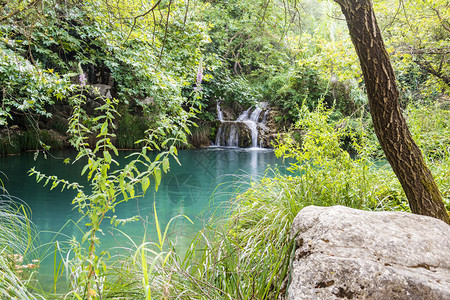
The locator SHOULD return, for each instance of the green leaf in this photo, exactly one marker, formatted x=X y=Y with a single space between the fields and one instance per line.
x=104 y=129
x=165 y=164
x=54 y=184
x=107 y=156
x=130 y=191
x=84 y=169
x=85 y=236
x=157 y=175
x=145 y=184
x=173 y=150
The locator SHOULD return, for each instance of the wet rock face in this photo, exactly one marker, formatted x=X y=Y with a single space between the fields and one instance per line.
x=234 y=134
x=343 y=253
x=245 y=135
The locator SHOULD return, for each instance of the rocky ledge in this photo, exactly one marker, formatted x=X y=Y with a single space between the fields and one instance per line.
x=344 y=253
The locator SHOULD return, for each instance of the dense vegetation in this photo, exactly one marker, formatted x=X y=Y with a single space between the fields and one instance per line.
x=101 y=76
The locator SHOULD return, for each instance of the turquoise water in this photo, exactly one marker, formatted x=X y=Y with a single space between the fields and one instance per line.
x=204 y=183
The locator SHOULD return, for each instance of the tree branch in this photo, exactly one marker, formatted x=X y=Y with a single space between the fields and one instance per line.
x=165 y=34
x=426 y=66
x=431 y=51
x=18 y=11
x=140 y=16
x=444 y=23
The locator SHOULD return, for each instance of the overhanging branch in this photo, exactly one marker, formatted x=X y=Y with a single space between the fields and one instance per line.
x=18 y=11
x=426 y=66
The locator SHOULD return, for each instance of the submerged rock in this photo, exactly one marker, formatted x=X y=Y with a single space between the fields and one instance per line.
x=344 y=253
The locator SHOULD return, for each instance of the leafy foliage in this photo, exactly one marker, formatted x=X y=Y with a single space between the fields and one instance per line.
x=289 y=90
x=418 y=33
x=147 y=63
x=27 y=87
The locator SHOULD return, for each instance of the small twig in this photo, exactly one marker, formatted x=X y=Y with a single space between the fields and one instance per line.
x=165 y=35
x=140 y=16
x=186 y=13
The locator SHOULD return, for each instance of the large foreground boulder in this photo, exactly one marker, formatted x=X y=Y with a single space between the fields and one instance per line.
x=344 y=253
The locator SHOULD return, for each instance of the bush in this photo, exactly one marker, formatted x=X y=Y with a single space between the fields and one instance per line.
x=430 y=128
x=290 y=89
x=224 y=87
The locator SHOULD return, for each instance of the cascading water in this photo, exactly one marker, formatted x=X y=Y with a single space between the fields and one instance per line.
x=264 y=120
x=219 y=112
x=228 y=132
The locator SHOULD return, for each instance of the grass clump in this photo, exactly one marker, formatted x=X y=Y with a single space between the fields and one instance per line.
x=16 y=244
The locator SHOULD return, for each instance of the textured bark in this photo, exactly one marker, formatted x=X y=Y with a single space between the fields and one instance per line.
x=390 y=126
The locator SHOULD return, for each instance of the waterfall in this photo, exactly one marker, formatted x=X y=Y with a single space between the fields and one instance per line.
x=219 y=112
x=243 y=116
x=228 y=133
x=264 y=120
x=254 y=130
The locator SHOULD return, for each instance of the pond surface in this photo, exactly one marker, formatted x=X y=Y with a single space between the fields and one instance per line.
x=203 y=184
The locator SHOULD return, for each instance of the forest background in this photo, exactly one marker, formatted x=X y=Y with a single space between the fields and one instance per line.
x=167 y=64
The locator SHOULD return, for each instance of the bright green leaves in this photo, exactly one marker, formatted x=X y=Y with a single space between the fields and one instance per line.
x=321 y=142
x=54 y=180
x=157 y=176
x=145 y=184
x=418 y=38
x=165 y=164
x=107 y=157
x=25 y=87
x=173 y=150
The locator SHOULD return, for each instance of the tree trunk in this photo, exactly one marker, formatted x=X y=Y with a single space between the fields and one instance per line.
x=390 y=126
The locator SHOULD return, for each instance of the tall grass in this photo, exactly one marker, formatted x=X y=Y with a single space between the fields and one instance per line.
x=246 y=255
x=16 y=243
x=31 y=139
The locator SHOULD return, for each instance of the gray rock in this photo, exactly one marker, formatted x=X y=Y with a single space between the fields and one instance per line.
x=344 y=253
x=101 y=90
